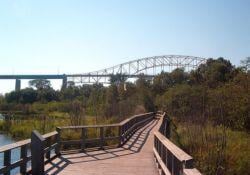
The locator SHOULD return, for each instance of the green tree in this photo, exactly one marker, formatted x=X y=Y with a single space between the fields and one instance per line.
x=144 y=95
x=40 y=84
x=28 y=95
x=111 y=104
x=12 y=97
x=2 y=99
x=161 y=83
x=214 y=72
x=178 y=76
x=47 y=95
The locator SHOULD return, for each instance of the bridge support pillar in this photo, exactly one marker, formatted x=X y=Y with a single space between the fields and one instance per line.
x=64 y=82
x=18 y=85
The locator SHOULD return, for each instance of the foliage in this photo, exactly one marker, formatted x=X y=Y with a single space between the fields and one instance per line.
x=40 y=84
x=76 y=113
x=210 y=104
x=216 y=149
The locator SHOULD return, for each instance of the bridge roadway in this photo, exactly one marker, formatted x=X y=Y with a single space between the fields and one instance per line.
x=134 y=158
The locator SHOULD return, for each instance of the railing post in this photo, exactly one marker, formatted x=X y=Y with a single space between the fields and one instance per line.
x=7 y=159
x=83 y=139
x=120 y=136
x=37 y=153
x=58 y=141
x=101 y=137
x=48 y=153
x=23 y=167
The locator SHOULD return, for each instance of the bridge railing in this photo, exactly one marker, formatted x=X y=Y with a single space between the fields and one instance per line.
x=100 y=135
x=170 y=159
x=24 y=158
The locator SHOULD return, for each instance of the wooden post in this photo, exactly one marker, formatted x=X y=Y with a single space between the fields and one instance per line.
x=37 y=153
x=48 y=144
x=169 y=160
x=120 y=136
x=58 y=141
x=7 y=159
x=83 y=139
x=23 y=167
x=101 y=137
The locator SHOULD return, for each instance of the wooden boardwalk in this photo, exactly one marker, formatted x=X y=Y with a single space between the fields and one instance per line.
x=134 y=158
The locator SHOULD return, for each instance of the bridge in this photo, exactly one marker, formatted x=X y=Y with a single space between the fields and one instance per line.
x=149 y=67
x=138 y=145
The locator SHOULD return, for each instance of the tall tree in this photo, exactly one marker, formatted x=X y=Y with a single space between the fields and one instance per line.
x=40 y=84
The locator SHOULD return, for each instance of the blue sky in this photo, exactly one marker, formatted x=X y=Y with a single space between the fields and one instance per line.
x=80 y=36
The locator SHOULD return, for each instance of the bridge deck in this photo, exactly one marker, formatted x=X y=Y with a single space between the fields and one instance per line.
x=134 y=158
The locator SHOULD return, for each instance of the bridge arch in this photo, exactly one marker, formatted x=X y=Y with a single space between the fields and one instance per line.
x=149 y=66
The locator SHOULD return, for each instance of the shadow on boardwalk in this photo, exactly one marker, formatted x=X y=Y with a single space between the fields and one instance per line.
x=77 y=162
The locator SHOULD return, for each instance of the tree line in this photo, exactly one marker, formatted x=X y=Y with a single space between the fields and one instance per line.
x=216 y=91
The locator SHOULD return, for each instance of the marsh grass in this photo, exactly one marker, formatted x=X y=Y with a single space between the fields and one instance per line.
x=216 y=149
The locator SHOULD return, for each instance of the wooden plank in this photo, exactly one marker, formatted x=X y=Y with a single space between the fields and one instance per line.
x=88 y=126
x=161 y=163
x=177 y=152
x=22 y=142
x=192 y=171
x=51 y=134
x=135 y=116
x=71 y=142
x=14 y=145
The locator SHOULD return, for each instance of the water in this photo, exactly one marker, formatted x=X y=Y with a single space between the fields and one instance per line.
x=5 y=140
x=15 y=154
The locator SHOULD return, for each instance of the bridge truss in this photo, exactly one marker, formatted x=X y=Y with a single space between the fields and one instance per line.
x=149 y=67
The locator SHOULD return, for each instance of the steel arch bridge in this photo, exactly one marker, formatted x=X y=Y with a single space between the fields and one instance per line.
x=149 y=67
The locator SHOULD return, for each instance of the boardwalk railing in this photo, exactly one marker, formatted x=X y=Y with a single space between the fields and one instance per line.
x=25 y=158
x=99 y=135
x=41 y=149
x=170 y=159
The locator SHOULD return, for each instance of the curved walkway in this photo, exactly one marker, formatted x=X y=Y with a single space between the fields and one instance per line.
x=133 y=158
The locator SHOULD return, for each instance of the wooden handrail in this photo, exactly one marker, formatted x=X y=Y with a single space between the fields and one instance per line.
x=135 y=116
x=107 y=125
x=23 y=142
x=175 y=150
x=170 y=159
x=14 y=145
x=125 y=130
x=88 y=126
x=24 y=145
x=52 y=140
